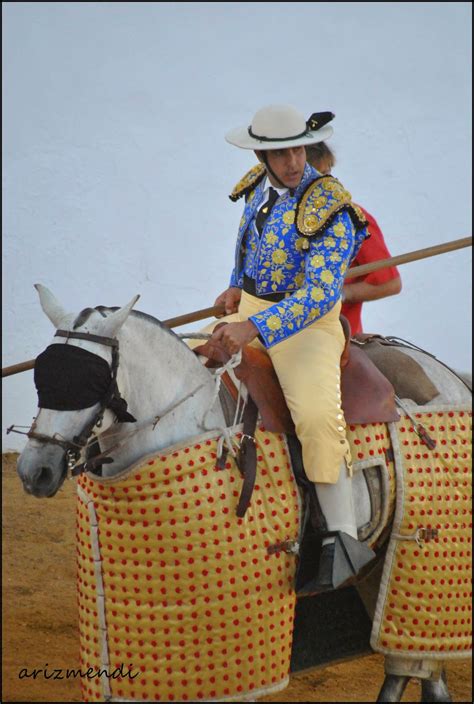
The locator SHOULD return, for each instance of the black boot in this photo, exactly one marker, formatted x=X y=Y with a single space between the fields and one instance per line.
x=339 y=563
x=324 y=577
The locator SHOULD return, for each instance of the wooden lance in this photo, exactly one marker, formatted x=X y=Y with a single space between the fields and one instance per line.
x=362 y=270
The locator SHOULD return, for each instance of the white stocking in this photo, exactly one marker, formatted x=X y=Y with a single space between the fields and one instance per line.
x=337 y=504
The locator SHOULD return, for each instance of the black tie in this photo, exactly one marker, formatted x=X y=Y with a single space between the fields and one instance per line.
x=265 y=210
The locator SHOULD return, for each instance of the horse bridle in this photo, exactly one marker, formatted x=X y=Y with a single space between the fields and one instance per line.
x=113 y=400
x=79 y=442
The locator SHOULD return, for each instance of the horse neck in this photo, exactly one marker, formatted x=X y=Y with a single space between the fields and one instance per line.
x=157 y=371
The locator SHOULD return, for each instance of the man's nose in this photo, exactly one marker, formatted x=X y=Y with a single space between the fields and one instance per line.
x=292 y=159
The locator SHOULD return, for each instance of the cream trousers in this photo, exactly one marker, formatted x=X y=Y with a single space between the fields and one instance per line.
x=308 y=368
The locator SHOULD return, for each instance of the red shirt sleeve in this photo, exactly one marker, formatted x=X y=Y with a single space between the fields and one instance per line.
x=372 y=249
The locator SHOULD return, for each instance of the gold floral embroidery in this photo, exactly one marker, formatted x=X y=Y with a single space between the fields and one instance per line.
x=279 y=256
x=327 y=276
x=289 y=217
x=271 y=238
x=340 y=194
x=339 y=229
x=329 y=242
x=299 y=279
x=251 y=178
x=310 y=222
x=277 y=276
x=360 y=214
x=314 y=313
x=274 y=322
x=317 y=294
x=297 y=309
x=321 y=200
x=317 y=261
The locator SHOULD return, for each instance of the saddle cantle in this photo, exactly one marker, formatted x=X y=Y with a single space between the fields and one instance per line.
x=367 y=396
x=406 y=375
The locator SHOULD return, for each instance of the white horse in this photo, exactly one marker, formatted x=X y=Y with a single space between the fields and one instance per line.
x=172 y=397
x=149 y=352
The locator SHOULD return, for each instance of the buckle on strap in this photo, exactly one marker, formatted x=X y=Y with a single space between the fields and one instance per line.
x=420 y=536
x=291 y=547
x=250 y=438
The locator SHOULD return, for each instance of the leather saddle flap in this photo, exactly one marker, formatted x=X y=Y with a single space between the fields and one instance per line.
x=367 y=396
x=257 y=373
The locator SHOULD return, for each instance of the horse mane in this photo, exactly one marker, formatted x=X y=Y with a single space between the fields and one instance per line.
x=103 y=310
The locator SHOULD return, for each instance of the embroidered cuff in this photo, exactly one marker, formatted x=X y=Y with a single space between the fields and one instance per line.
x=235 y=281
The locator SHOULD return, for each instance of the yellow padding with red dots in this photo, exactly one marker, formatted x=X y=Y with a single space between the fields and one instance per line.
x=425 y=603
x=178 y=596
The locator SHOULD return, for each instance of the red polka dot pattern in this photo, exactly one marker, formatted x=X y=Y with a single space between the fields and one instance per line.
x=426 y=609
x=194 y=604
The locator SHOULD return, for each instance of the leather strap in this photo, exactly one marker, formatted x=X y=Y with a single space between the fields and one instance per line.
x=109 y=341
x=247 y=460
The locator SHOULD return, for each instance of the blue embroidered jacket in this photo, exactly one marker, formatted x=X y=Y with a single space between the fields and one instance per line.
x=307 y=244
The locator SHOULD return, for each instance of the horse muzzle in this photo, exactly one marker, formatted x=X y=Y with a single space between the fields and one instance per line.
x=42 y=469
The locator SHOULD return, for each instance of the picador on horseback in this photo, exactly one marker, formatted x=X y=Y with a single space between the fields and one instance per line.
x=198 y=526
x=298 y=235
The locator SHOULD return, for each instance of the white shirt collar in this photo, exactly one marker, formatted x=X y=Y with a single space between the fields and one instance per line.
x=268 y=185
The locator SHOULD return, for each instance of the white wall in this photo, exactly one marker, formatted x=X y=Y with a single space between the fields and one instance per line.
x=116 y=172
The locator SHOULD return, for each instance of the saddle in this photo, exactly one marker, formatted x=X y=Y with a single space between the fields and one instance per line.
x=404 y=373
x=367 y=395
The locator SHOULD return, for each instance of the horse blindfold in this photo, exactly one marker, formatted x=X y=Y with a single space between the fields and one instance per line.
x=68 y=378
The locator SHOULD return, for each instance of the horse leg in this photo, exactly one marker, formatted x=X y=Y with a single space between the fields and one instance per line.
x=435 y=690
x=393 y=688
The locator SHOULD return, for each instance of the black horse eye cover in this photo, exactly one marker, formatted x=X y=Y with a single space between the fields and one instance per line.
x=68 y=378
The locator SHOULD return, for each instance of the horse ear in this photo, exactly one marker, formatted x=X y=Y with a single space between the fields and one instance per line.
x=112 y=323
x=51 y=306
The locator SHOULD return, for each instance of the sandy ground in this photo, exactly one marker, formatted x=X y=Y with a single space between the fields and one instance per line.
x=40 y=613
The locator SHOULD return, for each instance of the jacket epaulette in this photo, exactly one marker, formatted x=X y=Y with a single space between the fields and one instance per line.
x=246 y=184
x=322 y=200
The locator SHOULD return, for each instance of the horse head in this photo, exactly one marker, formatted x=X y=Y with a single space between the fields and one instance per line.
x=77 y=392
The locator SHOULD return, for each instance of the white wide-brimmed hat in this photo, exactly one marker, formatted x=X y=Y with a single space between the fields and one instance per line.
x=280 y=127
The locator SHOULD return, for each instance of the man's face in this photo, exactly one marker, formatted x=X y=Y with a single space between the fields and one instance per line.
x=288 y=164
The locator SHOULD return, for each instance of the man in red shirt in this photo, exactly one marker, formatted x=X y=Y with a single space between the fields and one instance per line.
x=378 y=284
